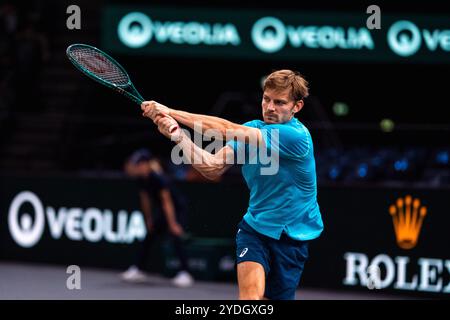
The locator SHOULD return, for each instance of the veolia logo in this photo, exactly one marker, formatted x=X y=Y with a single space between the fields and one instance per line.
x=135 y=29
x=25 y=232
x=269 y=34
x=404 y=38
x=91 y=224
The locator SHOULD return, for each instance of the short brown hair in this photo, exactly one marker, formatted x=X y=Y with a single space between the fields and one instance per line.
x=288 y=79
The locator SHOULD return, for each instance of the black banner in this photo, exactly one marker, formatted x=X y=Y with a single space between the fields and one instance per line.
x=379 y=239
x=286 y=35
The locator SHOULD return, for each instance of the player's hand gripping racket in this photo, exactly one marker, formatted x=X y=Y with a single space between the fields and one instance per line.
x=100 y=67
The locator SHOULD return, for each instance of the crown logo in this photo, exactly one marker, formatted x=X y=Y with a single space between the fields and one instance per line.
x=407 y=217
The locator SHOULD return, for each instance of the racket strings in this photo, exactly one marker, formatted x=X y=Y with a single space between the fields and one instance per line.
x=99 y=65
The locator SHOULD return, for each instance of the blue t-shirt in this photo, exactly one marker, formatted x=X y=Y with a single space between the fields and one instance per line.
x=281 y=176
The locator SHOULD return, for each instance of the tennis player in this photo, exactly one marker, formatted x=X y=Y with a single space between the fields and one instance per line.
x=283 y=214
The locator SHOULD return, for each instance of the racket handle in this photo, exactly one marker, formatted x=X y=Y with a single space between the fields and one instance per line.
x=173 y=128
x=175 y=135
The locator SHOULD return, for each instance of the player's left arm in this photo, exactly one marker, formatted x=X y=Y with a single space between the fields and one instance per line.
x=228 y=130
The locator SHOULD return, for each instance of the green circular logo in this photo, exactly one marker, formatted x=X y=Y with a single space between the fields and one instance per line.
x=269 y=34
x=400 y=41
x=135 y=30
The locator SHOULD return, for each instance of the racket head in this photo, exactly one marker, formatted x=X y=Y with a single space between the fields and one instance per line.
x=102 y=68
x=98 y=65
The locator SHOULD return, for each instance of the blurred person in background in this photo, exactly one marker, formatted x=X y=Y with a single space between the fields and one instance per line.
x=164 y=210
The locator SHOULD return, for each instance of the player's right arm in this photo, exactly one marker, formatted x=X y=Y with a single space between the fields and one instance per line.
x=211 y=166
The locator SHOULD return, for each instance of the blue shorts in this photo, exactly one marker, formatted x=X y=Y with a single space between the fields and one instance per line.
x=283 y=260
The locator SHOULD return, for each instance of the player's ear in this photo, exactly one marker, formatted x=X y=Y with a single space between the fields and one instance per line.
x=298 y=106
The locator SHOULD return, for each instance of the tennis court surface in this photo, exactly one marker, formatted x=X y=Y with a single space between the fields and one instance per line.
x=20 y=281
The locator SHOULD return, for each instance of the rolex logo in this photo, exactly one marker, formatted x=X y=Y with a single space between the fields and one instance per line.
x=407 y=217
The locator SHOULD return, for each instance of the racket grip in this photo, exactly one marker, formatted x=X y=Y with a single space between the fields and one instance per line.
x=173 y=128
x=174 y=134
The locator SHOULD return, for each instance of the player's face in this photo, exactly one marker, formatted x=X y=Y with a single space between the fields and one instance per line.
x=278 y=106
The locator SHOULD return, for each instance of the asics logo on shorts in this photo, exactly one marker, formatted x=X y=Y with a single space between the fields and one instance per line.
x=243 y=252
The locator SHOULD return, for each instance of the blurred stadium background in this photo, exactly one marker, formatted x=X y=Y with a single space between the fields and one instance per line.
x=378 y=117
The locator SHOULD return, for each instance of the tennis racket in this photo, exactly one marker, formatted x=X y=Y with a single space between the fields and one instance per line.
x=102 y=68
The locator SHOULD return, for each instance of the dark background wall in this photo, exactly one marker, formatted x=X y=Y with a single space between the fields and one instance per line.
x=66 y=138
